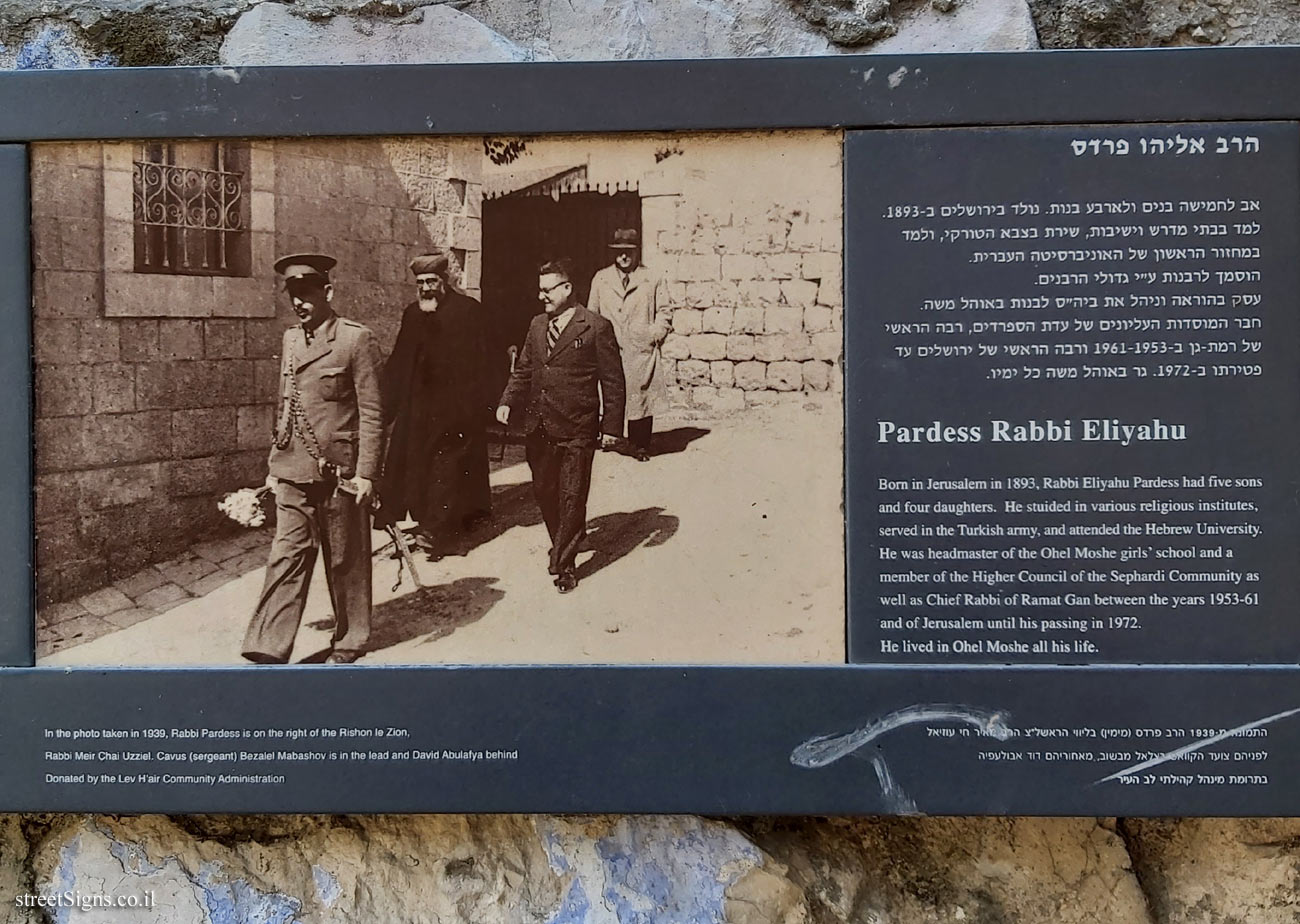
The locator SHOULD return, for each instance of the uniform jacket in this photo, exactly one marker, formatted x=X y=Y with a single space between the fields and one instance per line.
x=641 y=322
x=337 y=378
x=577 y=391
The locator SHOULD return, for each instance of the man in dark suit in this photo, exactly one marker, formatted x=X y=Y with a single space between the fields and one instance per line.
x=325 y=455
x=568 y=385
x=436 y=399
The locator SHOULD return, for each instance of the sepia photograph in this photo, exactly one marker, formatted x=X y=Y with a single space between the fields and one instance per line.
x=421 y=400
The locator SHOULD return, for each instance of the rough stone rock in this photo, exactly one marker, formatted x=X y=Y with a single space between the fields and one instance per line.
x=271 y=33
x=718 y=320
x=80 y=33
x=1091 y=23
x=606 y=869
x=41 y=45
x=932 y=870
x=827 y=346
x=578 y=30
x=747 y=321
x=879 y=26
x=818 y=318
x=15 y=869
x=1137 y=23
x=849 y=22
x=730 y=399
x=597 y=30
x=508 y=869
x=1242 y=871
x=988 y=25
x=488 y=869
x=780 y=319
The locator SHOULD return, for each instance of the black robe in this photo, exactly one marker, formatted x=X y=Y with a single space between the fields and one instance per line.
x=437 y=402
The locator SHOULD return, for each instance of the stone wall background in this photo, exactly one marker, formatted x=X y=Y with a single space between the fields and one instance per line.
x=152 y=397
x=754 y=270
x=641 y=869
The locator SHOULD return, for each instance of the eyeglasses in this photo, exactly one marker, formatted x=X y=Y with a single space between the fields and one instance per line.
x=547 y=290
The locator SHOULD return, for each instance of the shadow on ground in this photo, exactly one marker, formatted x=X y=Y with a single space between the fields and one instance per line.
x=431 y=613
x=616 y=534
x=512 y=506
x=675 y=440
x=664 y=443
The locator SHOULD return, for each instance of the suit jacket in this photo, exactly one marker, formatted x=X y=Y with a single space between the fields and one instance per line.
x=576 y=391
x=337 y=379
x=641 y=320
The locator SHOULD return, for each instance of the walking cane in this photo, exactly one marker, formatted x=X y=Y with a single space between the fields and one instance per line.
x=513 y=353
x=403 y=550
x=395 y=533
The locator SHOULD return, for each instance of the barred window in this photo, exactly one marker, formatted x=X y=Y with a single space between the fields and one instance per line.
x=190 y=203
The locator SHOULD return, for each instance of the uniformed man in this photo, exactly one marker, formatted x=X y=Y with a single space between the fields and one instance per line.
x=324 y=459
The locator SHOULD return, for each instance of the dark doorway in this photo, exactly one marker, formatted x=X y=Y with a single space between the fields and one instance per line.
x=523 y=229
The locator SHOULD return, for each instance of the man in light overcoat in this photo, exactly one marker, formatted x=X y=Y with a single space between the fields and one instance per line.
x=632 y=298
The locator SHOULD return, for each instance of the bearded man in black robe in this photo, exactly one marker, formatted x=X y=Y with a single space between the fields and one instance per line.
x=437 y=402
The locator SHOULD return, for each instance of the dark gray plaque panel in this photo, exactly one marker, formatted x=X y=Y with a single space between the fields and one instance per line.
x=879 y=738
x=1074 y=391
x=1085 y=741
x=851 y=90
x=17 y=642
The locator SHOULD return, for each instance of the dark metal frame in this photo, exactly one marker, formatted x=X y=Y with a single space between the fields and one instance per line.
x=625 y=739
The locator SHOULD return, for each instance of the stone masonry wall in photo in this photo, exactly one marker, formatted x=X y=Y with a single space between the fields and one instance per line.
x=155 y=392
x=751 y=246
x=756 y=308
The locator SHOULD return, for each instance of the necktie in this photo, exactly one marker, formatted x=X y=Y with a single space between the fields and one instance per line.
x=552 y=335
x=626 y=279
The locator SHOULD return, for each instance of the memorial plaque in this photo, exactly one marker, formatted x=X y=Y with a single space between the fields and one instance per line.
x=818 y=740
x=1075 y=354
x=1045 y=338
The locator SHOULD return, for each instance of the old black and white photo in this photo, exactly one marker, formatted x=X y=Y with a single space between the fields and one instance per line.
x=534 y=399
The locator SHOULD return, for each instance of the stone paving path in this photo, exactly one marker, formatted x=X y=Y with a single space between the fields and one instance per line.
x=726 y=547
x=151 y=591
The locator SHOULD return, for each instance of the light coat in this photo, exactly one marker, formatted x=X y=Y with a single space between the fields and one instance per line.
x=641 y=321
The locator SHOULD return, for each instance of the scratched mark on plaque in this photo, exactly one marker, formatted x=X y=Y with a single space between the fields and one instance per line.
x=823 y=750
x=1179 y=753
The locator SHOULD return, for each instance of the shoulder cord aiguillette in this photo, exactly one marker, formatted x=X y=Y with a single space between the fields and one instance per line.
x=292 y=415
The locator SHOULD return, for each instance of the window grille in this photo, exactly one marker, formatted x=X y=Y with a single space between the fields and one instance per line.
x=190 y=207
